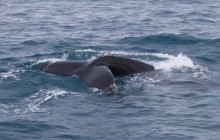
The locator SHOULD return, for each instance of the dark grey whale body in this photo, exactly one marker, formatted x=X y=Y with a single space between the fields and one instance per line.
x=100 y=72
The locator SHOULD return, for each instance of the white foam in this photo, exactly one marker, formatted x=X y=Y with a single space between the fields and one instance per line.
x=47 y=95
x=33 y=102
x=3 y=108
x=202 y=72
x=141 y=80
x=123 y=53
x=64 y=57
x=112 y=52
x=52 y=60
x=85 y=50
x=173 y=62
x=6 y=75
x=10 y=74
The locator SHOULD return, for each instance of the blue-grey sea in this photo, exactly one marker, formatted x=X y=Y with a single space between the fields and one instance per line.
x=178 y=101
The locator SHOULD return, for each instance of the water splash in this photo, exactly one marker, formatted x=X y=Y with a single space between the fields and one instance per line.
x=170 y=62
x=161 y=61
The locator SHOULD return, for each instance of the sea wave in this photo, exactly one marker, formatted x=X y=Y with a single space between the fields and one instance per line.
x=181 y=39
x=34 y=42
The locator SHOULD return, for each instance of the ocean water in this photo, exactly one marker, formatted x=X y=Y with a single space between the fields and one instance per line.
x=180 y=100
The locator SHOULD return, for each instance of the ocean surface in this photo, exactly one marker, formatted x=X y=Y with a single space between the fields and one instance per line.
x=178 y=101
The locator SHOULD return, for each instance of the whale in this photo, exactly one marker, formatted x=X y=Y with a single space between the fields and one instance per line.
x=100 y=72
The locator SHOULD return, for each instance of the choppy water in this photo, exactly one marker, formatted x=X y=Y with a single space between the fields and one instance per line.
x=180 y=100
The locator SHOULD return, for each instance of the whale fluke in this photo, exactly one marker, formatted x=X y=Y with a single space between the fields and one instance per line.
x=100 y=72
